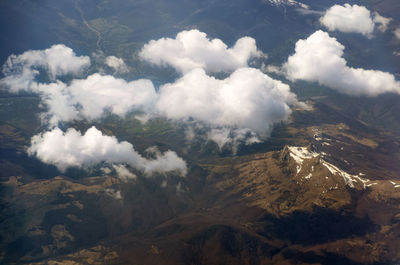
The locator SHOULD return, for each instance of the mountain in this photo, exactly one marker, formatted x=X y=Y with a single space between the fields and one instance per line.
x=278 y=207
x=111 y=157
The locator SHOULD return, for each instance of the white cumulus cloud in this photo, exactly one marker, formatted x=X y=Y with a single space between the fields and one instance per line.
x=192 y=49
x=72 y=149
x=98 y=93
x=89 y=98
x=349 y=18
x=57 y=60
x=320 y=58
x=58 y=103
x=246 y=99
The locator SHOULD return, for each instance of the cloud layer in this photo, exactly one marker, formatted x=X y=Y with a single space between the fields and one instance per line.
x=352 y=18
x=192 y=49
x=72 y=149
x=231 y=109
x=245 y=99
x=319 y=58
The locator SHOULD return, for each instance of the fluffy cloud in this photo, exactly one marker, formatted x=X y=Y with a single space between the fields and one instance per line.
x=58 y=102
x=72 y=149
x=349 y=18
x=85 y=98
x=246 y=99
x=319 y=58
x=117 y=64
x=192 y=49
x=24 y=79
x=98 y=93
x=229 y=108
x=58 y=60
x=89 y=98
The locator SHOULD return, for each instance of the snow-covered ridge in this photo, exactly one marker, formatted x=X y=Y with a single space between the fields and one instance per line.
x=299 y=154
x=348 y=178
x=287 y=3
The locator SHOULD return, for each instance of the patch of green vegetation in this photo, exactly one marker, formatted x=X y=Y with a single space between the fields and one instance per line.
x=20 y=112
x=131 y=126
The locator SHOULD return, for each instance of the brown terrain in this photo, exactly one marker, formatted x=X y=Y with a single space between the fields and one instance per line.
x=324 y=188
x=317 y=200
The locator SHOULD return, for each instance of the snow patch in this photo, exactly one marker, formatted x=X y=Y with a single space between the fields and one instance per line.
x=395 y=185
x=336 y=171
x=299 y=154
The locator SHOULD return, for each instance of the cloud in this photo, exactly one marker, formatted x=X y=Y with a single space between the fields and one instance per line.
x=123 y=173
x=286 y=2
x=89 y=98
x=117 y=64
x=58 y=60
x=192 y=49
x=106 y=170
x=58 y=101
x=98 y=93
x=72 y=149
x=396 y=33
x=23 y=80
x=246 y=99
x=116 y=194
x=319 y=58
x=226 y=137
x=349 y=18
x=383 y=21
x=307 y=12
